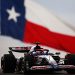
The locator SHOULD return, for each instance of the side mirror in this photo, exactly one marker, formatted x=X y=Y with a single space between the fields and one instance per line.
x=10 y=48
x=57 y=53
x=51 y=54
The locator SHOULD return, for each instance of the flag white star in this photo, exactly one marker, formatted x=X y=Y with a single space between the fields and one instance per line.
x=12 y=14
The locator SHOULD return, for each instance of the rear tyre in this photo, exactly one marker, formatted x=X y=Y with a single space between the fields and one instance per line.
x=8 y=63
x=70 y=60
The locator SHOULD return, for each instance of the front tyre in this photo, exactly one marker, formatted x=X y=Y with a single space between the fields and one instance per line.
x=28 y=63
x=26 y=67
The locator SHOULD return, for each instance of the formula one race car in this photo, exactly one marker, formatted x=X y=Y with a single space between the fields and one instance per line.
x=36 y=58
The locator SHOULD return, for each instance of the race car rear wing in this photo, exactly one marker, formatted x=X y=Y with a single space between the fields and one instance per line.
x=20 y=49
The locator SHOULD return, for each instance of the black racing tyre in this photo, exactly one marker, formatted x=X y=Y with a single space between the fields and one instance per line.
x=26 y=67
x=70 y=60
x=28 y=63
x=8 y=63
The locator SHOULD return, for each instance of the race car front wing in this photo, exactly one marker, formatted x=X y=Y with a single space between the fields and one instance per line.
x=48 y=67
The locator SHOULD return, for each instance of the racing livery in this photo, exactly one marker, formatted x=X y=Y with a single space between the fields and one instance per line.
x=36 y=58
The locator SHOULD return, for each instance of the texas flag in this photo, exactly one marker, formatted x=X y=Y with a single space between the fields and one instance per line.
x=29 y=22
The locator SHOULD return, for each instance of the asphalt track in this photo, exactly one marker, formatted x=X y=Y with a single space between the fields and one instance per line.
x=38 y=73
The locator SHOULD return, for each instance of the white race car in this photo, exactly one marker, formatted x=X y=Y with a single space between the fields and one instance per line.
x=37 y=59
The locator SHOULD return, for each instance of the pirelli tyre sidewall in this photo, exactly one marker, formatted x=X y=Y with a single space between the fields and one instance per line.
x=8 y=63
x=70 y=60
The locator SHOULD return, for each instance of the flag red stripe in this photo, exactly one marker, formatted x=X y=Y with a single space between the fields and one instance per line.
x=35 y=32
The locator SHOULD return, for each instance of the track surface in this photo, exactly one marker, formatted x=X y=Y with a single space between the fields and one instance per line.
x=38 y=73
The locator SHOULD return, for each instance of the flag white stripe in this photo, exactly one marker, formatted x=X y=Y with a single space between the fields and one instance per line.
x=39 y=15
